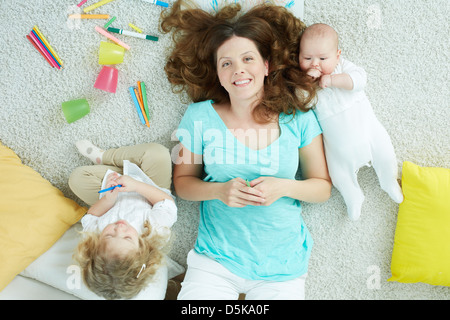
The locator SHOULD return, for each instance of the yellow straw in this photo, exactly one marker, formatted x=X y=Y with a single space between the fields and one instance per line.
x=47 y=44
x=96 y=5
x=89 y=16
x=135 y=28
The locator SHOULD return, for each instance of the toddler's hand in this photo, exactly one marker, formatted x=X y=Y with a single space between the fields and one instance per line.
x=111 y=181
x=314 y=73
x=128 y=184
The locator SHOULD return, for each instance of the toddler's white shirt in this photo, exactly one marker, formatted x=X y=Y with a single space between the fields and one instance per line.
x=134 y=208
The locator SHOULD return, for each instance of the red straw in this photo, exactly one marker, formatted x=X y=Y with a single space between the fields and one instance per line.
x=81 y=3
x=37 y=48
x=43 y=49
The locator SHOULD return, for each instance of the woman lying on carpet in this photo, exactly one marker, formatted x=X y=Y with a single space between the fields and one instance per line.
x=248 y=129
x=127 y=229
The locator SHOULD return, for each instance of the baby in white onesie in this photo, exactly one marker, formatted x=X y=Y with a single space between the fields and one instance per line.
x=352 y=135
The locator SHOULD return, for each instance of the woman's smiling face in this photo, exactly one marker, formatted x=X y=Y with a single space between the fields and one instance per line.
x=241 y=68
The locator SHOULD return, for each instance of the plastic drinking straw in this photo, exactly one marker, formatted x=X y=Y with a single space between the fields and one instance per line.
x=43 y=50
x=135 y=28
x=81 y=3
x=111 y=37
x=141 y=106
x=136 y=104
x=140 y=96
x=52 y=51
x=109 y=22
x=96 y=5
x=110 y=188
x=88 y=16
x=144 y=98
x=37 y=48
x=46 y=50
x=159 y=3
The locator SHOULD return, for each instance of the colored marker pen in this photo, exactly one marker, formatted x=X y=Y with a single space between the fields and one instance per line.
x=159 y=3
x=132 y=34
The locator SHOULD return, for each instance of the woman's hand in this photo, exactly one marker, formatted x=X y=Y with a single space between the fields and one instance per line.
x=236 y=193
x=271 y=188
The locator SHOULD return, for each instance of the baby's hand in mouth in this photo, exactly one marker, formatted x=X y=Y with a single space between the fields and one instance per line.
x=314 y=73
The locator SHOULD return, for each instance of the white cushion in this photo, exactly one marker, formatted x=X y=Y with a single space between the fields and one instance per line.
x=57 y=268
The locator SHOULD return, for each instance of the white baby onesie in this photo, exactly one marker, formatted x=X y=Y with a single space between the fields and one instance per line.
x=353 y=137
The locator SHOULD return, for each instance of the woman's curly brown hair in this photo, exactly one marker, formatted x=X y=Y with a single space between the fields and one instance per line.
x=197 y=34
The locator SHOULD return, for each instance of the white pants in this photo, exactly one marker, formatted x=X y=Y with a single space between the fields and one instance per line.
x=207 y=279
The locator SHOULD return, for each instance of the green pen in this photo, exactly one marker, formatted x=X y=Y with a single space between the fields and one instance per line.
x=248 y=183
x=132 y=34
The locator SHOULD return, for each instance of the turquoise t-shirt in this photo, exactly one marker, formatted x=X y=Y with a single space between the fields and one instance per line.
x=254 y=242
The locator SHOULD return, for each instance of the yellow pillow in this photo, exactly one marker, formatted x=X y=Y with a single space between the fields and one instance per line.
x=422 y=238
x=33 y=215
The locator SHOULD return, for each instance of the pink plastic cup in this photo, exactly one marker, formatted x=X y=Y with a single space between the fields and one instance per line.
x=107 y=79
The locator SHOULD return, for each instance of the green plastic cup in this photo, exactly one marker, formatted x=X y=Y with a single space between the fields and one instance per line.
x=75 y=109
x=110 y=53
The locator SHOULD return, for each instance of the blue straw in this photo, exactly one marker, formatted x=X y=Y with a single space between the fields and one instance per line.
x=290 y=4
x=43 y=44
x=111 y=188
x=162 y=4
x=136 y=104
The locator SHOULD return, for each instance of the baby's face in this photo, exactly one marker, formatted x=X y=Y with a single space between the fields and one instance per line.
x=318 y=53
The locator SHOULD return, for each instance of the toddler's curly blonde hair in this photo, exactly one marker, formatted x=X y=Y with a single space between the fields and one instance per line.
x=114 y=277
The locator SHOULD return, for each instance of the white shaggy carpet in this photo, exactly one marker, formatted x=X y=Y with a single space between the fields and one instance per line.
x=402 y=44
